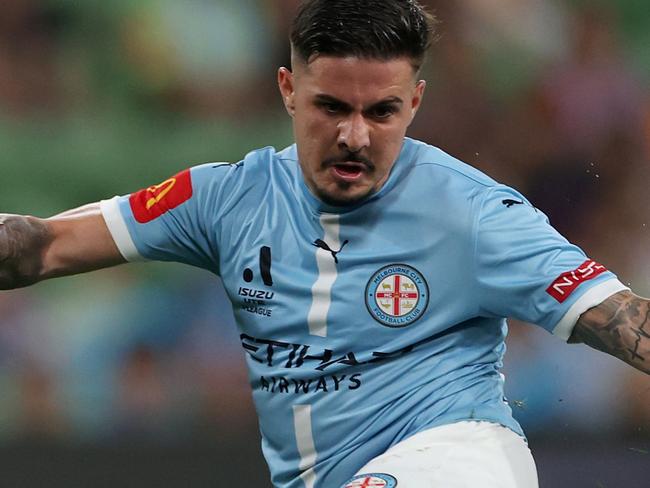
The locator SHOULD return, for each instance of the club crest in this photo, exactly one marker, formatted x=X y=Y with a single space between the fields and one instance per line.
x=397 y=295
x=374 y=480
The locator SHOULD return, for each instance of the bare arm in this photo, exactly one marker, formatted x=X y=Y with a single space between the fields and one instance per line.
x=33 y=249
x=619 y=326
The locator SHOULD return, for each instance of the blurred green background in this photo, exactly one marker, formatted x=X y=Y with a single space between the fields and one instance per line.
x=134 y=376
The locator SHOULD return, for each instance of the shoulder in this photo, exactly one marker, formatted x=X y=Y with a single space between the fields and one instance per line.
x=452 y=181
x=227 y=184
x=460 y=196
x=428 y=158
x=256 y=161
x=256 y=168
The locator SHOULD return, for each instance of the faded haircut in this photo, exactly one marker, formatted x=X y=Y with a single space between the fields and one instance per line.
x=367 y=29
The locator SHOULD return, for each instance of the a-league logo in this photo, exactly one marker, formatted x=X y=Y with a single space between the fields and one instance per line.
x=372 y=480
x=397 y=295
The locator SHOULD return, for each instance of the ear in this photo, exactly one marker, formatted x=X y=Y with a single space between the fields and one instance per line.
x=418 y=94
x=285 y=83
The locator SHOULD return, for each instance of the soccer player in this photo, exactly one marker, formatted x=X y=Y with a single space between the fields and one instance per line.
x=370 y=274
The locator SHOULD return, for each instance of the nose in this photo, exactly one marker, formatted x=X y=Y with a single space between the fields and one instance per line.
x=354 y=134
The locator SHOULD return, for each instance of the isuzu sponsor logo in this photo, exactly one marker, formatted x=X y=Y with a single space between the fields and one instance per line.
x=566 y=283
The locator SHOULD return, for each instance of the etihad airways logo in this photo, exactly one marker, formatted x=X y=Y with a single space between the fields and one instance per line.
x=284 y=356
x=566 y=283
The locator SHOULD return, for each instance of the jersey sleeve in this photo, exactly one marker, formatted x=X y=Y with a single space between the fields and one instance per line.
x=175 y=220
x=528 y=271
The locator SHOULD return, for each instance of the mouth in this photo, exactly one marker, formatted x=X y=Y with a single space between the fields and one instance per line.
x=349 y=170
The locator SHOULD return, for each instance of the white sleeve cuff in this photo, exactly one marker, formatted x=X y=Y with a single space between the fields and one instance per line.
x=117 y=227
x=594 y=296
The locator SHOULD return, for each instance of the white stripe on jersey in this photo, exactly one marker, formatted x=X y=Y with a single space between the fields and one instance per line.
x=117 y=227
x=322 y=290
x=305 y=442
x=591 y=298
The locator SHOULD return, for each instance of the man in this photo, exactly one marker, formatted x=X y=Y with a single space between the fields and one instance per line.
x=370 y=274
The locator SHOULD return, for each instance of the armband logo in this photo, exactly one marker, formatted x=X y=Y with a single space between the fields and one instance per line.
x=566 y=283
x=150 y=203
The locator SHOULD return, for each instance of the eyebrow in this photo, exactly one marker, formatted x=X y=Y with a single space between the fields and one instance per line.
x=323 y=98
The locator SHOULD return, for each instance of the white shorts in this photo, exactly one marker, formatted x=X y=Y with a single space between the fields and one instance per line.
x=466 y=454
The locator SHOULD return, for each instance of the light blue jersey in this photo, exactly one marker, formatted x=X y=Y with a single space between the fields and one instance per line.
x=363 y=326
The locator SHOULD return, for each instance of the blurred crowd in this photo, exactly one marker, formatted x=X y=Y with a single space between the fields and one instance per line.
x=549 y=96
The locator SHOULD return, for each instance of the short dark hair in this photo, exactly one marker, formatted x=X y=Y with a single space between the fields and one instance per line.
x=371 y=29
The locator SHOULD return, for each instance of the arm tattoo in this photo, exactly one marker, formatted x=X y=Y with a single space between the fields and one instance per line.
x=619 y=326
x=22 y=242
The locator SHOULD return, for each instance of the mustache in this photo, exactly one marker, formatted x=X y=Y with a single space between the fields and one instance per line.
x=349 y=157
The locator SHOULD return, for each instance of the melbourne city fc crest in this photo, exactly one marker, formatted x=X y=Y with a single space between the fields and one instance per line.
x=397 y=295
x=374 y=480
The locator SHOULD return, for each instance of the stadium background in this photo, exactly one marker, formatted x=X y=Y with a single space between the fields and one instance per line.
x=134 y=376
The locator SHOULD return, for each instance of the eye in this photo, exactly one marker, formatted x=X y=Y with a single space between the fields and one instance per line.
x=331 y=108
x=383 y=111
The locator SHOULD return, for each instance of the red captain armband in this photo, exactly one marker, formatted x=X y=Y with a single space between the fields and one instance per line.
x=566 y=283
x=150 y=203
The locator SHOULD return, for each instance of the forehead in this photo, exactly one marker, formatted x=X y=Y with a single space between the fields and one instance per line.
x=352 y=78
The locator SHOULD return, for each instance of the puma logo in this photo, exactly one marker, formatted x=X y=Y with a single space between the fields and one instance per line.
x=323 y=245
x=509 y=203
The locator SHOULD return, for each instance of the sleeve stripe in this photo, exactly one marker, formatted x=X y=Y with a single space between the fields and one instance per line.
x=117 y=227
x=595 y=296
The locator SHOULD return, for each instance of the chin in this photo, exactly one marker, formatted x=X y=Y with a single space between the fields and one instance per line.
x=342 y=200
